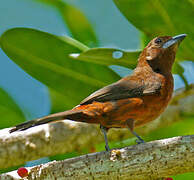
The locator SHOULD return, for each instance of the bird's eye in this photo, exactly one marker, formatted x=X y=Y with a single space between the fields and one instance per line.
x=158 y=41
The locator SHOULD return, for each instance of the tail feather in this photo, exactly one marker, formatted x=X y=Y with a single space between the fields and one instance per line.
x=71 y=114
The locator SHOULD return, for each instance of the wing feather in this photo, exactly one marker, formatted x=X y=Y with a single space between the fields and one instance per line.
x=121 y=90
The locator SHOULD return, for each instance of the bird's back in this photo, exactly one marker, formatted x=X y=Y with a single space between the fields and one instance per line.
x=144 y=98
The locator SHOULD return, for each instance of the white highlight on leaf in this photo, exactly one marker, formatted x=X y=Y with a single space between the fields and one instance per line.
x=74 y=55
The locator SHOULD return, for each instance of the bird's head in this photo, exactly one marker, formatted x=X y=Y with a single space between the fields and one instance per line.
x=160 y=52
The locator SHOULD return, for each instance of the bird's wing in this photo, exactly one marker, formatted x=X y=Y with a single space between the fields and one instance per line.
x=123 y=89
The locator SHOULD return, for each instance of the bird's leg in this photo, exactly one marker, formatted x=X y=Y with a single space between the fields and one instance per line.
x=130 y=124
x=140 y=140
x=104 y=131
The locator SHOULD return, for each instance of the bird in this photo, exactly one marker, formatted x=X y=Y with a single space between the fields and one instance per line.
x=133 y=100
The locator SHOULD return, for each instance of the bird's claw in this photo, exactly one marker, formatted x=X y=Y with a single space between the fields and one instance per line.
x=107 y=148
x=140 y=141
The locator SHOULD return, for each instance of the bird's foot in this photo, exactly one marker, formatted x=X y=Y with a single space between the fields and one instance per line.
x=140 y=141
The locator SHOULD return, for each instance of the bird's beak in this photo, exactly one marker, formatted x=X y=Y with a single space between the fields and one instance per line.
x=174 y=40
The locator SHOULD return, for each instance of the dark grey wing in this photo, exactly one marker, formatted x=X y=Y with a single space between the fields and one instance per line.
x=121 y=90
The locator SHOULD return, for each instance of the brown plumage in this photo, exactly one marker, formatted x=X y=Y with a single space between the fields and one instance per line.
x=132 y=101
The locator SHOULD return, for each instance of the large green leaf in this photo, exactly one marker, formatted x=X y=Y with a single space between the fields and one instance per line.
x=101 y=56
x=10 y=113
x=46 y=58
x=109 y=56
x=162 y=17
x=60 y=102
x=76 y=21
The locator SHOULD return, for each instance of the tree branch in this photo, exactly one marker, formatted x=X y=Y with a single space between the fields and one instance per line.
x=153 y=160
x=68 y=136
x=45 y=140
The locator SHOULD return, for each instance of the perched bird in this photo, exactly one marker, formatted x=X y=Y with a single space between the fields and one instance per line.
x=133 y=100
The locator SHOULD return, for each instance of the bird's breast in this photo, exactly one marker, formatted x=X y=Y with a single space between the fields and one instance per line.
x=154 y=105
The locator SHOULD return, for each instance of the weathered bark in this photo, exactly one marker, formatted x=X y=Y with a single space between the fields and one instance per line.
x=46 y=140
x=68 y=136
x=153 y=160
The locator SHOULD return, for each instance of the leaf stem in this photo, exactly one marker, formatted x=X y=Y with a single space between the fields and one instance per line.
x=75 y=43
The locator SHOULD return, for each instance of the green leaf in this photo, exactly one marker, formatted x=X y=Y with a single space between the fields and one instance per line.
x=5 y=170
x=10 y=113
x=60 y=102
x=76 y=21
x=109 y=56
x=46 y=58
x=162 y=17
x=144 y=40
x=96 y=56
x=183 y=127
x=177 y=69
x=64 y=156
x=184 y=176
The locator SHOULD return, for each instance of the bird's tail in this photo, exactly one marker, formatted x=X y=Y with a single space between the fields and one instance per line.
x=76 y=115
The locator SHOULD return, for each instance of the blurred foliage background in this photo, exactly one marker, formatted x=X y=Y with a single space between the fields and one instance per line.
x=50 y=57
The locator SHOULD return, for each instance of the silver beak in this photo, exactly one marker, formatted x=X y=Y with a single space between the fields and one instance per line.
x=174 y=40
